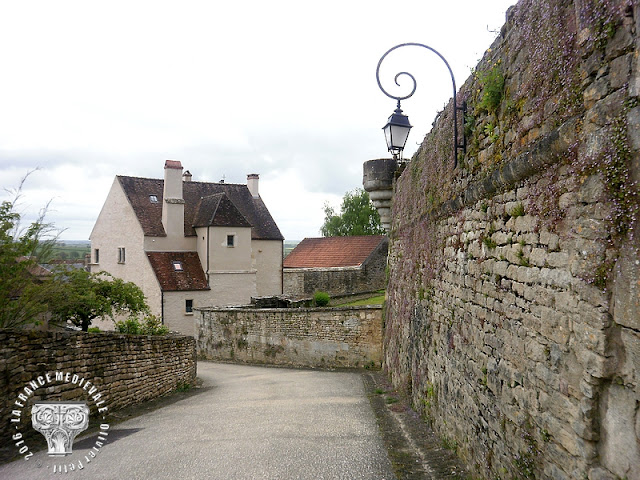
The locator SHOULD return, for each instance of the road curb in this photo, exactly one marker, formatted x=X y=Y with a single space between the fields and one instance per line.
x=415 y=451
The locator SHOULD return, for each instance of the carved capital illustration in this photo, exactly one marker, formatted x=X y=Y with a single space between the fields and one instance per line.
x=60 y=423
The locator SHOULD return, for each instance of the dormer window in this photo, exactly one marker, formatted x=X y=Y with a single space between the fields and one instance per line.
x=177 y=266
x=153 y=198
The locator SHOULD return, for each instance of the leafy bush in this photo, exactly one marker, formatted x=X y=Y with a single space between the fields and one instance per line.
x=130 y=326
x=93 y=330
x=321 y=299
x=151 y=325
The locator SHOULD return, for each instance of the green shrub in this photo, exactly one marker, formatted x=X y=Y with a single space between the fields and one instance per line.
x=130 y=326
x=93 y=330
x=321 y=299
x=151 y=325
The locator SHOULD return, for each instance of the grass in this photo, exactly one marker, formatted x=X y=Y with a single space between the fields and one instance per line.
x=375 y=300
x=378 y=300
x=517 y=211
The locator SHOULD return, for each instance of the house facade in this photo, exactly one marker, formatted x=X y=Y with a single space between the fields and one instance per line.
x=188 y=244
x=336 y=265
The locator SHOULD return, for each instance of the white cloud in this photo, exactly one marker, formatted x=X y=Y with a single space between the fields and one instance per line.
x=282 y=88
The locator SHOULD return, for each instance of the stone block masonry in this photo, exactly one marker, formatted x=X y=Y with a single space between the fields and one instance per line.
x=514 y=280
x=313 y=337
x=301 y=282
x=126 y=369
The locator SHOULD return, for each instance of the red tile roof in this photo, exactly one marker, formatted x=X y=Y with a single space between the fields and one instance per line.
x=333 y=252
x=190 y=277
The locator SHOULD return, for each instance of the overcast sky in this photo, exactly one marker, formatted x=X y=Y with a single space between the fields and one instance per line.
x=286 y=89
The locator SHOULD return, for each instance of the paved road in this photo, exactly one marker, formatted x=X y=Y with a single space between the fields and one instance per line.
x=250 y=423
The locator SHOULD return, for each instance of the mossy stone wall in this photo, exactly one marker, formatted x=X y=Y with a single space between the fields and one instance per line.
x=513 y=317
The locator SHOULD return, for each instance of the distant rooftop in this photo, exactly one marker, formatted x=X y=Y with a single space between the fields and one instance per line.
x=330 y=252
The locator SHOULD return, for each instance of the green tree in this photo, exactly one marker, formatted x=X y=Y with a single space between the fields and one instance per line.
x=76 y=295
x=357 y=217
x=81 y=296
x=23 y=291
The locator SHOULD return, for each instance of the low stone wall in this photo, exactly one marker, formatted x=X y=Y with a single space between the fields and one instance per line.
x=317 y=337
x=125 y=369
x=369 y=277
x=300 y=282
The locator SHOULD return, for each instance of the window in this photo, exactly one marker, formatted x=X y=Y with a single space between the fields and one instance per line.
x=231 y=240
x=121 y=255
x=188 y=306
x=177 y=266
x=153 y=198
x=96 y=255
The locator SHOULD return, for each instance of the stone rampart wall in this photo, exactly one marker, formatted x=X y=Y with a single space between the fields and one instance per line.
x=513 y=316
x=315 y=337
x=125 y=369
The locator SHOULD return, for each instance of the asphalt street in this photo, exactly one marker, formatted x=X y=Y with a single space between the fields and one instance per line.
x=245 y=422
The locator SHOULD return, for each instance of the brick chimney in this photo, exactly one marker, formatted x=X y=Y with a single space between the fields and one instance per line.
x=173 y=205
x=252 y=184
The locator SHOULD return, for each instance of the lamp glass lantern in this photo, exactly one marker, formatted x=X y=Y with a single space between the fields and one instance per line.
x=396 y=132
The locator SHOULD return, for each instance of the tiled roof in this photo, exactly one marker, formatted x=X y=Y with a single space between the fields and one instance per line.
x=333 y=251
x=188 y=277
x=218 y=211
x=149 y=214
x=36 y=270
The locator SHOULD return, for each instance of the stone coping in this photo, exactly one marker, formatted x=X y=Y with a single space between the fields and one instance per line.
x=285 y=310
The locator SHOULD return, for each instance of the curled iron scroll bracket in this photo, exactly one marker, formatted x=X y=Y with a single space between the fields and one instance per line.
x=456 y=145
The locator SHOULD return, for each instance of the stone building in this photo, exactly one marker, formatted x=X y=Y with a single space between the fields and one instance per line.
x=336 y=265
x=188 y=244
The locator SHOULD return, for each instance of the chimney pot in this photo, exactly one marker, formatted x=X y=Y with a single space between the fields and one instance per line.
x=173 y=164
x=252 y=184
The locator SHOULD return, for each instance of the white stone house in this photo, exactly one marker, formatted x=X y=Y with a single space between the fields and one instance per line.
x=188 y=244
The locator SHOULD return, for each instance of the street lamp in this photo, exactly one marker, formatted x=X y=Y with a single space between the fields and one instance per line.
x=397 y=128
x=396 y=132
